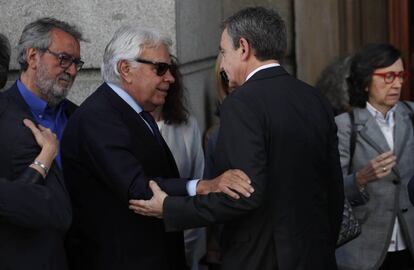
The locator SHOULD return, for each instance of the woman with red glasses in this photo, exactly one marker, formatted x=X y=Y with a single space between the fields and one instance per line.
x=376 y=146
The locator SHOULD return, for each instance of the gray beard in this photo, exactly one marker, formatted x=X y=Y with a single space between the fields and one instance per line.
x=51 y=89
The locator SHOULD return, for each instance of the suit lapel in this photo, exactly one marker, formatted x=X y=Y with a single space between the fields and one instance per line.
x=137 y=125
x=69 y=108
x=171 y=159
x=369 y=130
x=134 y=122
x=14 y=96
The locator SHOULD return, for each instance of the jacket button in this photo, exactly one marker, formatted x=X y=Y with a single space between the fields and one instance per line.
x=404 y=210
x=395 y=182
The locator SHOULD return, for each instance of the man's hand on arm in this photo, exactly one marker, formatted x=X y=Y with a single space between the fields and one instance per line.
x=231 y=182
x=152 y=207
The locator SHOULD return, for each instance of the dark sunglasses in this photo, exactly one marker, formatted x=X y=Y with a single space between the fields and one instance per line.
x=66 y=60
x=160 y=67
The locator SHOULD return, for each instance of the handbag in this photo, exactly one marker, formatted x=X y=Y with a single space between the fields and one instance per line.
x=350 y=227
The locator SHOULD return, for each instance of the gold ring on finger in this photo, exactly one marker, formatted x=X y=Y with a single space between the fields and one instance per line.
x=384 y=169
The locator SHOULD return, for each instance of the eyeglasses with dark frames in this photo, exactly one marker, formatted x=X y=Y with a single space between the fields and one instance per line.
x=160 y=67
x=389 y=77
x=65 y=60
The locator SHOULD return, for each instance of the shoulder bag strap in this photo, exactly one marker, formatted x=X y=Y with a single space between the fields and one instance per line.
x=352 y=140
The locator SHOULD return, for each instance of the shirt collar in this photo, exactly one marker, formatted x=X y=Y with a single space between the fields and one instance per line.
x=260 y=68
x=126 y=97
x=36 y=104
x=379 y=116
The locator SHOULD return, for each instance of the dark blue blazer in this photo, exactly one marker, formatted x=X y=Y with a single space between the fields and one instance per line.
x=108 y=157
x=34 y=214
x=282 y=134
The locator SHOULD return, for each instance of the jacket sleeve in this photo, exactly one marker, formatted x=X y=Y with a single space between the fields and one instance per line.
x=33 y=202
x=111 y=157
x=336 y=196
x=186 y=212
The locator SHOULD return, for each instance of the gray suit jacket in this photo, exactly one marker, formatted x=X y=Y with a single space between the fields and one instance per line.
x=386 y=198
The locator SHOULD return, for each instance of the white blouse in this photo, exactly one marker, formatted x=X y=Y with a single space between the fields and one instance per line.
x=184 y=142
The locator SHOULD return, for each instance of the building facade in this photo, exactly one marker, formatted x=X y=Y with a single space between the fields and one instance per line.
x=318 y=31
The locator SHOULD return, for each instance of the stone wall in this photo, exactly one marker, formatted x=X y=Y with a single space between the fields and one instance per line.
x=325 y=30
x=97 y=19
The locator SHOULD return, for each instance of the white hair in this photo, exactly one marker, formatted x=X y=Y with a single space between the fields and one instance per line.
x=127 y=44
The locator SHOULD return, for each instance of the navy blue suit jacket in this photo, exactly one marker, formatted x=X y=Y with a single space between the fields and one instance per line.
x=108 y=156
x=34 y=214
x=282 y=134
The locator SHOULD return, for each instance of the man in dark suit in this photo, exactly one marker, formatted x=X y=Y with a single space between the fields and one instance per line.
x=34 y=205
x=281 y=132
x=111 y=147
x=40 y=213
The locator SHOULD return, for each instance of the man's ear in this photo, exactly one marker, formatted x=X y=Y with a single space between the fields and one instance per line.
x=32 y=56
x=245 y=48
x=124 y=70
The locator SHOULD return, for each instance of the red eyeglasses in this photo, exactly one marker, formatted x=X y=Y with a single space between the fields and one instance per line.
x=389 y=77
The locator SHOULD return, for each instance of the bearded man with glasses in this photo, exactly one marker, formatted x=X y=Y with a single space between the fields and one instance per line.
x=49 y=56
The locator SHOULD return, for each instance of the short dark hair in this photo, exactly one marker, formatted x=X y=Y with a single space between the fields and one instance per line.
x=263 y=28
x=364 y=63
x=174 y=110
x=37 y=35
x=4 y=59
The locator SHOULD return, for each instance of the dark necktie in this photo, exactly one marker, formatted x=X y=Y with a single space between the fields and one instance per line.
x=155 y=131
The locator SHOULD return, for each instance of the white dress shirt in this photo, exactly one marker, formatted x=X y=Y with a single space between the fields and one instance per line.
x=260 y=68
